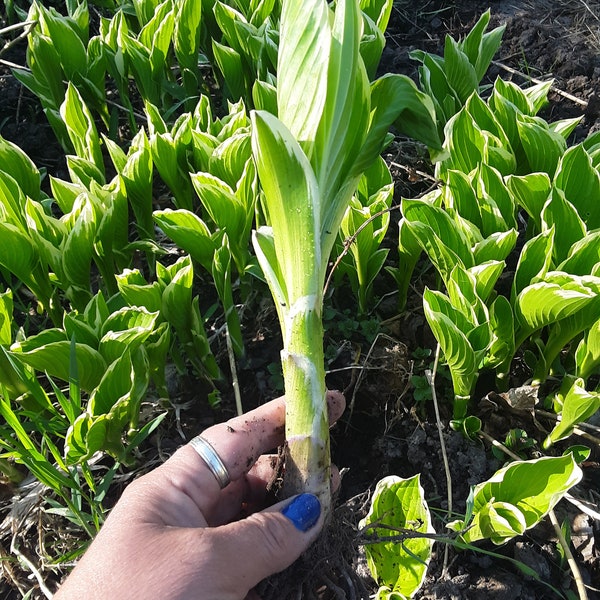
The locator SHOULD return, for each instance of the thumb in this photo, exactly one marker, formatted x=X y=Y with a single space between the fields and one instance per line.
x=269 y=541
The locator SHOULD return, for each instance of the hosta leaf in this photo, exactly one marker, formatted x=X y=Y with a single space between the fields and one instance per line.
x=137 y=291
x=583 y=256
x=292 y=201
x=460 y=356
x=521 y=493
x=17 y=252
x=20 y=167
x=459 y=70
x=221 y=203
x=486 y=275
x=495 y=247
x=580 y=182
x=371 y=46
x=568 y=225
x=587 y=356
x=543 y=303
x=81 y=128
x=64 y=35
x=379 y=11
x=302 y=84
x=502 y=328
x=531 y=192
x=116 y=384
x=228 y=160
x=441 y=224
x=460 y=195
x=6 y=317
x=78 y=329
x=491 y=187
x=54 y=357
x=395 y=98
x=565 y=127
x=400 y=505
x=77 y=251
x=124 y=330
x=542 y=146
x=534 y=261
x=187 y=33
x=464 y=142
x=578 y=406
x=189 y=232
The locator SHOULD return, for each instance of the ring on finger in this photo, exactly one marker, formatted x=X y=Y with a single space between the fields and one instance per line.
x=212 y=460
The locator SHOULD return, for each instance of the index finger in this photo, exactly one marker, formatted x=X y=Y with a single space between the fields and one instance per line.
x=241 y=440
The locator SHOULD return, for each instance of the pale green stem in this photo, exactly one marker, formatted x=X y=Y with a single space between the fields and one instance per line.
x=307 y=466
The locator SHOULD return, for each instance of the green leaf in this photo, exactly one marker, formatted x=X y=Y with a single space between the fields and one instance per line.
x=293 y=205
x=502 y=327
x=542 y=146
x=559 y=213
x=304 y=49
x=578 y=406
x=534 y=261
x=461 y=74
x=54 y=357
x=545 y=302
x=400 y=567
x=518 y=496
x=189 y=232
x=449 y=328
x=486 y=275
x=583 y=256
x=6 y=317
x=580 y=182
x=125 y=330
x=496 y=247
x=531 y=192
x=14 y=162
x=81 y=128
x=587 y=356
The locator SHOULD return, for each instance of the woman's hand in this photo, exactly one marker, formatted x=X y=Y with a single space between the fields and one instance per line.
x=175 y=534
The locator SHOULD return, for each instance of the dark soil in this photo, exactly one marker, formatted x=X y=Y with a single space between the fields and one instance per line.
x=385 y=431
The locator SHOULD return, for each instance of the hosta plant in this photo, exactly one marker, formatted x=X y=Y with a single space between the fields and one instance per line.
x=309 y=164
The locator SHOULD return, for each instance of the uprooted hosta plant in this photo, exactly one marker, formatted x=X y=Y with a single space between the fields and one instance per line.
x=309 y=164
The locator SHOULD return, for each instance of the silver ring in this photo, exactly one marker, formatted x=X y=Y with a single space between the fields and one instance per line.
x=213 y=461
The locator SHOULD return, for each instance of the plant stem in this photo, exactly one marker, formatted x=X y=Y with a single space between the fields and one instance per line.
x=570 y=558
x=307 y=465
x=431 y=380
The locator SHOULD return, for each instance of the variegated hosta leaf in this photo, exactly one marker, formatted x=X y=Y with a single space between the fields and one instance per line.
x=578 y=406
x=517 y=497
x=449 y=327
x=303 y=69
x=189 y=232
x=543 y=303
x=293 y=205
x=53 y=356
x=399 y=567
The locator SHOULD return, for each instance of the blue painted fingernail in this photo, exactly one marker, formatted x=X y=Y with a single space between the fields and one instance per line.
x=303 y=511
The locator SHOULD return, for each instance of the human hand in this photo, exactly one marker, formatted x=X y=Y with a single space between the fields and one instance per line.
x=173 y=535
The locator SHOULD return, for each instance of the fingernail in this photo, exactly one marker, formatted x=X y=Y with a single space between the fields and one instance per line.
x=303 y=511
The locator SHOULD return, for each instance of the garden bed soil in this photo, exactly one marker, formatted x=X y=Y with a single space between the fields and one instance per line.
x=385 y=430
